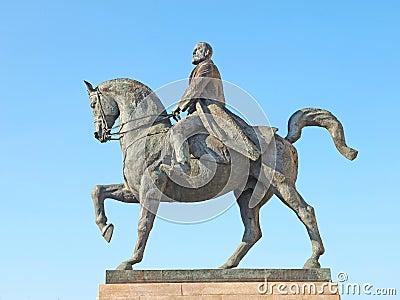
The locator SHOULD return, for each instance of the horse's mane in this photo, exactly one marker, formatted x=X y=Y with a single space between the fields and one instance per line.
x=137 y=93
x=126 y=86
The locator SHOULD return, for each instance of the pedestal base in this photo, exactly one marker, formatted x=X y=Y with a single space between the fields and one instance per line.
x=246 y=284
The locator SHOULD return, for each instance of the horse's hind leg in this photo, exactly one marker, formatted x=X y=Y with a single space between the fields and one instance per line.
x=288 y=194
x=113 y=191
x=252 y=230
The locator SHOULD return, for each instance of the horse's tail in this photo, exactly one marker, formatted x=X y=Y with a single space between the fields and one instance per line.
x=322 y=118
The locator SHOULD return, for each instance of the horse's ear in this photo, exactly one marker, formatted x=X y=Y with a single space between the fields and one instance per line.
x=89 y=86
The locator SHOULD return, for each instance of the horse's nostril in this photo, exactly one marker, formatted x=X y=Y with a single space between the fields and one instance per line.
x=96 y=135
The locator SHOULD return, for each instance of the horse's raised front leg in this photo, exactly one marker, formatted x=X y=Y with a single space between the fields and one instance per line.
x=252 y=230
x=288 y=194
x=113 y=191
x=151 y=192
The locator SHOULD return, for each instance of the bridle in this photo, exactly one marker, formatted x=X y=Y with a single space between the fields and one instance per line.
x=103 y=116
x=110 y=135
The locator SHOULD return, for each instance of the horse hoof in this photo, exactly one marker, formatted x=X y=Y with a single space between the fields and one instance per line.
x=226 y=266
x=125 y=266
x=312 y=263
x=108 y=232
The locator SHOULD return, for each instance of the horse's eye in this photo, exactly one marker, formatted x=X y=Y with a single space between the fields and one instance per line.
x=93 y=104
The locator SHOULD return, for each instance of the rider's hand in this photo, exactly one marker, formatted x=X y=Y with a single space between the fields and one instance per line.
x=176 y=111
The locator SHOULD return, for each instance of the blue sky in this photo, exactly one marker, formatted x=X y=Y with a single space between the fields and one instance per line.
x=339 y=55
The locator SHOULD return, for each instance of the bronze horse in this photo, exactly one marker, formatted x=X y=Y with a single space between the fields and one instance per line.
x=144 y=126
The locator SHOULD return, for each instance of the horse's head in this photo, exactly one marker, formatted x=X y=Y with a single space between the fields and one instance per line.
x=105 y=112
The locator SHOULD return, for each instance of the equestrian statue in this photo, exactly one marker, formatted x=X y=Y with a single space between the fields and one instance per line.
x=208 y=153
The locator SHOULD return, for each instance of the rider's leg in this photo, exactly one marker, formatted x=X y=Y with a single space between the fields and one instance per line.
x=180 y=145
x=179 y=136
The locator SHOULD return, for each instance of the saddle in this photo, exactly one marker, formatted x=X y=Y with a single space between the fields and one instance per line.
x=201 y=145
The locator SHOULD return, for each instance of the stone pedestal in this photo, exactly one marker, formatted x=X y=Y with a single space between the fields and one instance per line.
x=215 y=284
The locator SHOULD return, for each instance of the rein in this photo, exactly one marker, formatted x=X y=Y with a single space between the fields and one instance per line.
x=120 y=133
